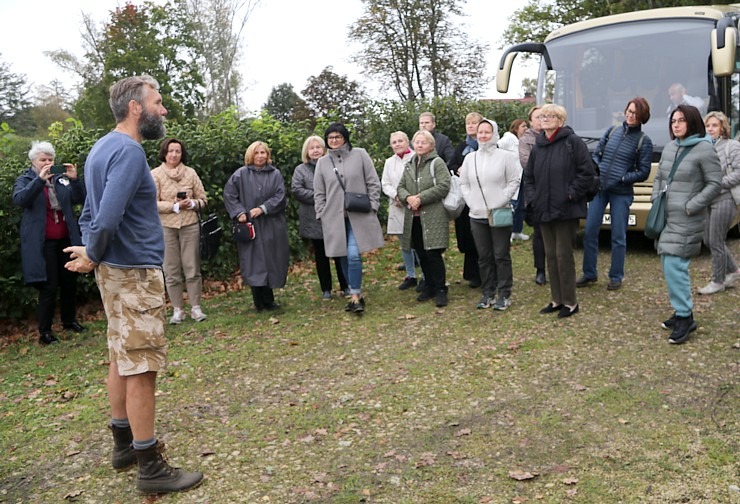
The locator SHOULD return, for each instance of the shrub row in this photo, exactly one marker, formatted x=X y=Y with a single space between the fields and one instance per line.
x=216 y=147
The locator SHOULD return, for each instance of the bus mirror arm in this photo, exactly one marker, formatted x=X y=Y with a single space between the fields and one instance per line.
x=527 y=47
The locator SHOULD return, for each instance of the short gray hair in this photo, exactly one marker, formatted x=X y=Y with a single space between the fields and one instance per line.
x=41 y=148
x=125 y=90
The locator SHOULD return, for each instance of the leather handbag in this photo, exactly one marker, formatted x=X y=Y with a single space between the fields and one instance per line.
x=501 y=217
x=210 y=235
x=243 y=232
x=353 y=201
x=656 y=219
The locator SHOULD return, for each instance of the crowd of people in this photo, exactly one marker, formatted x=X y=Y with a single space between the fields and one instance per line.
x=540 y=171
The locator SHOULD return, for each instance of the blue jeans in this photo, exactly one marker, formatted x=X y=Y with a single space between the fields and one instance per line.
x=518 y=205
x=676 y=273
x=409 y=262
x=619 y=208
x=352 y=262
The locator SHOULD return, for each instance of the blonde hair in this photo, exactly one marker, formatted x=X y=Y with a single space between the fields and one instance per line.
x=556 y=110
x=399 y=133
x=427 y=135
x=724 y=123
x=307 y=145
x=249 y=155
x=473 y=116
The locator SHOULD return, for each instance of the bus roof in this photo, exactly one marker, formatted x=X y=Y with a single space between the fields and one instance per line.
x=695 y=12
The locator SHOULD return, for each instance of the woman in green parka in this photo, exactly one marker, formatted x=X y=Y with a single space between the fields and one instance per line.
x=423 y=186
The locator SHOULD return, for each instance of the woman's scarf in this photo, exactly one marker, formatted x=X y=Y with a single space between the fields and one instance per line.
x=471 y=145
x=176 y=173
x=51 y=191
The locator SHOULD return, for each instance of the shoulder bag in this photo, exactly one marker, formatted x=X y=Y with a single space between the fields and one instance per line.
x=656 y=218
x=734 y=190
x=210 y=235
x=453 y=201
x=243 y=232
x=497 y=217
x=353 y=201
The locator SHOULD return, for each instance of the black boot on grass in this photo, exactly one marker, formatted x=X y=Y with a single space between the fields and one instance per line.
x=123 y=453
x=681 y=329
x=156 y=476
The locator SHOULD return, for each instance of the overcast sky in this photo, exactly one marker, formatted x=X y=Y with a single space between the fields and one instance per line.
x=285 y=40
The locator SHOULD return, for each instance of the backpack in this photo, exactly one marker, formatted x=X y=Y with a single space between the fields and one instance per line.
x=595 y=185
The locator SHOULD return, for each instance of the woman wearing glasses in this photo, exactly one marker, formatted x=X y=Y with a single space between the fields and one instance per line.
x=347 y=234
x=556 y=179
x=623 y=155
x=696 y=181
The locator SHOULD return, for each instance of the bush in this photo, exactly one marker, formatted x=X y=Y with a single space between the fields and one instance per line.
x=216 y=146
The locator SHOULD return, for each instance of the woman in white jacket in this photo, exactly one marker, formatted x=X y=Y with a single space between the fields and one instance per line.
x=489 y=179
x=392 y=172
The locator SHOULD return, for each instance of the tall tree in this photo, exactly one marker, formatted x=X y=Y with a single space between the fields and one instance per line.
x=538 y=18
x=14 y=97
x=330 y=94
x=218 y=26
x=285 y=105
x=150 y=38
x=419 y=48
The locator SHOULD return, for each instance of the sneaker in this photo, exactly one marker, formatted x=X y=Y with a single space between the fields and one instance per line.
x=502 y=303
x=326 y=296
x=356 y=306
x=540 y=278
x=584 y=281
x=669 y=323
x=421 y=286
x=614 y=285
x=519 y=236
x=178 y=315
x=407 y=283
x=424 y=296
x=197 y=314
x=731 y=278
x=485 y=302
x=440 y=298
x=712 y=288
x=681 y=330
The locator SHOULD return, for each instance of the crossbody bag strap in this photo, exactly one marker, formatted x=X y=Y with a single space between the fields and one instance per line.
x=677 y=162
x=336 y=172
x=475 y=163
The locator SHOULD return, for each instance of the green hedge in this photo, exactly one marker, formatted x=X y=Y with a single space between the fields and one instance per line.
x=216 y=147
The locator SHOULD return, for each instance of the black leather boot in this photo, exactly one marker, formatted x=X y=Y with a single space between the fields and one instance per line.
x=156 y=476
x=123 y=457
x=682 y=328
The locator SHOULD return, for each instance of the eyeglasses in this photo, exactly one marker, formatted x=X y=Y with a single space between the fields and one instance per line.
x=548 y=116
x=630 y=113
x=678 y=120
x=334 y=138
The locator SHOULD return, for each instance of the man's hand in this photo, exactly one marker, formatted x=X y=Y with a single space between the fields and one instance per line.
x=80 y=262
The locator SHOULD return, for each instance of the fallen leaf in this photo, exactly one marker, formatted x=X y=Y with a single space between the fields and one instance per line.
x=426 y=459
x=72 y=453
x=570 y=481
x=462 y=432
x=521 y=475
x=72 y=495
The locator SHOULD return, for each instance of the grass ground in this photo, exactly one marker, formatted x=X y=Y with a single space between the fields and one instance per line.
x=408 y=403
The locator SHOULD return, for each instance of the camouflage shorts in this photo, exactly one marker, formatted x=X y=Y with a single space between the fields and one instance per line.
x=135 y=307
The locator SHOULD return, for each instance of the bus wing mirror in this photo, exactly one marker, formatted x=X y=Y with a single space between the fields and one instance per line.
x=503 y=72
x=724 y=44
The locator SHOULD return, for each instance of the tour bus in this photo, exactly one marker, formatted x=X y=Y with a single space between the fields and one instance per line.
x=594 y=67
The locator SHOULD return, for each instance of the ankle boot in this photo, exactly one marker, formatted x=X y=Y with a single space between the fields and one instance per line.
x=682 y=328
x=123 y=453
x=156 y=476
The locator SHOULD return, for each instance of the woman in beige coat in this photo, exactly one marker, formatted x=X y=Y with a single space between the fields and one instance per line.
x=180 y=194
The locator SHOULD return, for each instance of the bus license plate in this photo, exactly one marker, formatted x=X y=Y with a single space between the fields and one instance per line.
x=607 y=220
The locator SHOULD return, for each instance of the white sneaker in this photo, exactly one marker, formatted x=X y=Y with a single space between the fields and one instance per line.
x=178 y=315
x=197 y=314
x=712 y=288
x=519 y=236
x=731 y=278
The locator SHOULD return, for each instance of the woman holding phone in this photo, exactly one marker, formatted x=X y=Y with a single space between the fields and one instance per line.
x=180 y=194
x=47 y=192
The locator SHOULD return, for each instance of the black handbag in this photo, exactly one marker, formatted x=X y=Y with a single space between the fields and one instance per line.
x=243 y=232
x=353 y=201
x=210 y=236
x=656 y=219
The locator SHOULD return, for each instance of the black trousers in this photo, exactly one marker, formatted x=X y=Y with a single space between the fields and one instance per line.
x=432 y=262
x=263 y=297
x=57 y=278
x=538 y=248
x=466 y=245
x=323 y=267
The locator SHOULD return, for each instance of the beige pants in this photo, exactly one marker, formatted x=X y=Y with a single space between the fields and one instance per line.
x=182 y=255
x=133 y=300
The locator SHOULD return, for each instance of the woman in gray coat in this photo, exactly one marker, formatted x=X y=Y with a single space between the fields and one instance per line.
x=308 y=225
x=347 y=234
x=256 y=192
x=696 y=182
x=426 y=227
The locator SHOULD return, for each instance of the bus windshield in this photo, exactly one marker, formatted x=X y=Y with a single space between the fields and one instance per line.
x=598 y=70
